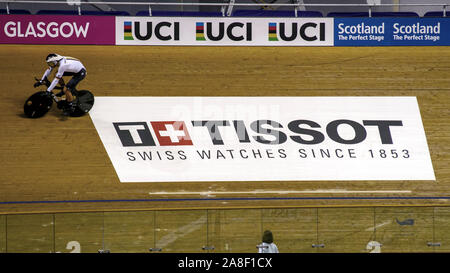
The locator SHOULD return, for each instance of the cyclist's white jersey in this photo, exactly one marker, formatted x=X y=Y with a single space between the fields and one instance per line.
x=67 y=64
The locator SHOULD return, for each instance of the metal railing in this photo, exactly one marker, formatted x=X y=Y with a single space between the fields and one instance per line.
x=228 y=5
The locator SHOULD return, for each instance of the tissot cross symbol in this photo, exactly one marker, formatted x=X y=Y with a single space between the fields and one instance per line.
x=171 y=133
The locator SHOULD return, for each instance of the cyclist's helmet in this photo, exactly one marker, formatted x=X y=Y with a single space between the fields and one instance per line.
x=53 y=59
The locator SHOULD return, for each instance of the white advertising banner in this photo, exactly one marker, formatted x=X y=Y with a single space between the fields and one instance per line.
x=164 y=139
x=224 y=31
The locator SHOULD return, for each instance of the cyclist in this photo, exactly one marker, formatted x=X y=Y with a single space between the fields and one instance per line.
x=66 y=66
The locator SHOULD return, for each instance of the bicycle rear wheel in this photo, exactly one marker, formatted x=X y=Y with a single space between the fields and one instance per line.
x=85 y=103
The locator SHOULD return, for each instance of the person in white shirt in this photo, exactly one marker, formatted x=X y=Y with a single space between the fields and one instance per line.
x=66 y=66
x=267 y=245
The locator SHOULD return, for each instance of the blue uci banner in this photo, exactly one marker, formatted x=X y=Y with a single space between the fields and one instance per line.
x=392 y=31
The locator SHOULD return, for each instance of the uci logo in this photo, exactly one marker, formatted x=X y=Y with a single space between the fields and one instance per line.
x=235 y=31
x=163 y=31
x=308 y=32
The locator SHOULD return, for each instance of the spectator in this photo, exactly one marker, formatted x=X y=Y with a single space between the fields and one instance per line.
x=267 y=245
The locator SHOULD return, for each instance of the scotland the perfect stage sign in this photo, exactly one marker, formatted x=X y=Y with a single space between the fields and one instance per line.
x=392 y=31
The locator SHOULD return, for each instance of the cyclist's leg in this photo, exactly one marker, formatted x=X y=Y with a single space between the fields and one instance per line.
x=69 y=96
x=76 y=79
x=62 y=84
x=70 y=90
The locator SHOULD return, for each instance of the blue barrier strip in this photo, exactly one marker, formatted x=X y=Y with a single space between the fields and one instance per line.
x=228 y=199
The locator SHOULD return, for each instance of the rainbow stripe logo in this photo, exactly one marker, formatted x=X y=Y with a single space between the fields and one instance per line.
x=200 y=32
x=127 y=35
x=273 y=32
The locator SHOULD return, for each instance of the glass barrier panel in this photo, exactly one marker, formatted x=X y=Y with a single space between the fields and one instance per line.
x=441 y=242
x=180 y=231
x=2 y=233
x=79 y=232
x=345 y=229
x=234 y=230
x=132 y=232
x=294 y=230
x=30 y=233
x=406 y=229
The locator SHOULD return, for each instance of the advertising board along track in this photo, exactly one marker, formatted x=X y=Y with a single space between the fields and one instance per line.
x=179 y=139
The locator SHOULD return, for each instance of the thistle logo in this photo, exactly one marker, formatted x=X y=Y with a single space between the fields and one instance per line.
x=308 y=32
x=163 y=31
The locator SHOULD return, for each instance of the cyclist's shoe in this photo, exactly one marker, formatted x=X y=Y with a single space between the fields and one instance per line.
x=38 y=83
x=70 y=109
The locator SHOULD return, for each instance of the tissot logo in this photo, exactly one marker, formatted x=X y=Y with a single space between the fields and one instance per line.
x=134 y=134
x=168 y=133
x=171 y=133
x=306 y=132
x=192 y=139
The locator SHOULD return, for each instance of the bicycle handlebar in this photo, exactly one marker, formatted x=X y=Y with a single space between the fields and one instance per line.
x=47 y=83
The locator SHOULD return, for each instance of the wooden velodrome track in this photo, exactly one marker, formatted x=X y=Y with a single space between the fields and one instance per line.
x=57 y=164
